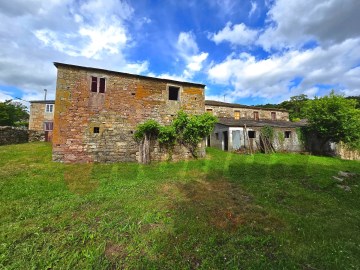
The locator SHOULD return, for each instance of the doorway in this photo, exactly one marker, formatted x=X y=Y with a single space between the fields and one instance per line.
x=226 y=140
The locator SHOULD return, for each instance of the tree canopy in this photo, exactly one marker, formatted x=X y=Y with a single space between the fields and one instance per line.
x=334 y=118
x=13 y=114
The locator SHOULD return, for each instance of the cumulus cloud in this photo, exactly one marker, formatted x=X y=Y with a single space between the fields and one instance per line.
x=293 y=23
x=238 y=34
x=35 y=33
x=189 y=52
x=273 y=77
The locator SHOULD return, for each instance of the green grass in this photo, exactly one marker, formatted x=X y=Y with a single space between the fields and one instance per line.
x=228 y=211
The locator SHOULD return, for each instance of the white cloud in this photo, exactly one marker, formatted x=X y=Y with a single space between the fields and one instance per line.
x=272 y=77
x=253 y=8
x=103 y=38
x=69 y=31
x=189 y=52
x=294 y=23
x=238 y=34
x=5 y=95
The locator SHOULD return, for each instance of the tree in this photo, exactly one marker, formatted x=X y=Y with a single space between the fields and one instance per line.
x=295 y=106
x=13 y=114
x=334 y=118
x=192 y=129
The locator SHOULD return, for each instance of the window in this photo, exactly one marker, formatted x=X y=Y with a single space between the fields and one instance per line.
x=256 y=115
x=209 y=111
x=251 y=134
x=273 y=115
x=237 y=115
x=96 y=129
x=48 y=126
x=174 y=92
x=98 y=84
x=49 y=108
x=287 y=134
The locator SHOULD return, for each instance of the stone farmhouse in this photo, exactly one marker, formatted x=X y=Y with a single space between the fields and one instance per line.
x=239 y=127
x=97 y=112
x=41 y=120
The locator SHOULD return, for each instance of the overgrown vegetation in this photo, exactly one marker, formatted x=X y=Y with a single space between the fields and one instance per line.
x=228 y=211
x=187 y=130
x=266 y=139
x=13 y=113
x=334 y=118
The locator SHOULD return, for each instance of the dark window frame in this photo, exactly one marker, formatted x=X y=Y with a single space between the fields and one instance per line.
x=98 y=84
x=174 y=92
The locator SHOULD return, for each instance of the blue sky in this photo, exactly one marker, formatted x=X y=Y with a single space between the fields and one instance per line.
x=249 y=52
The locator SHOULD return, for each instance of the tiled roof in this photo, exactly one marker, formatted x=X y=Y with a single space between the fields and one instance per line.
x=231 y=122
x=234 y=105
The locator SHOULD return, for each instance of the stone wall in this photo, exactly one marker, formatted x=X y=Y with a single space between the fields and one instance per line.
x=99 y=127
x=13 y=135
x=36 y=136
x=315 y=145
x=247 y=113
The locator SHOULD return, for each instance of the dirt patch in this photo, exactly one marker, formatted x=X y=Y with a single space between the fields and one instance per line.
x=222 y=205
x=113 y=252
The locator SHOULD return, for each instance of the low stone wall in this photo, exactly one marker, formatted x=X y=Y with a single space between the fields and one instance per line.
x=344 y=153
x=36 y=136
x=329 y=148
x=13 y=135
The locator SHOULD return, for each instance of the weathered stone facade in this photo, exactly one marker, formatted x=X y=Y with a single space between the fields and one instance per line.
x=13 y=135
x=41 y=120
x=230 y=110
x=98 y=126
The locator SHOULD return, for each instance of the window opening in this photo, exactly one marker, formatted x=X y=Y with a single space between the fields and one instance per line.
x=48 y=126
x=98 y=84
x=174 y=92
x=256 y=115
x=49 y=108
x=237 y=115
x=209 y=111
x=251 y=134
x=287 y=134
x=273 y=115
x=96 y=129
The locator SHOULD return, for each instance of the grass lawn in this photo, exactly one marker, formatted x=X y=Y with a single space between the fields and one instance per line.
x=228 y=211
